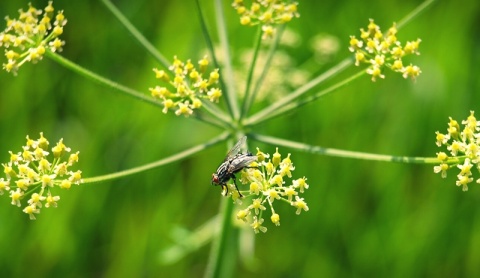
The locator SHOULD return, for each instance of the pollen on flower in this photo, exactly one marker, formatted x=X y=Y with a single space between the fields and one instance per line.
x=188 y=87
x=269 y=179
x=463 y=146
x=36 y=174
x=28 y=37
x=380 y=51
x=268 y=14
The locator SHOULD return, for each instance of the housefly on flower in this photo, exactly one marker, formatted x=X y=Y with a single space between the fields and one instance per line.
x=233 y=163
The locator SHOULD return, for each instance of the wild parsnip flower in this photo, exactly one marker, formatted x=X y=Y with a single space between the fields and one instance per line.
x=27 y=38
x=463 y=144
x=188 y=86
x=270 y=182
x=380 y=50
x=266 y=13
x=35 y=173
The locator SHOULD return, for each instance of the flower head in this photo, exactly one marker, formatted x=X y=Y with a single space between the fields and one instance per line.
x=270 y=180
x=27 y=38
x=266 y=13
x=463 y=145
x=37 y=173
x=187 y=88
x=380 y=50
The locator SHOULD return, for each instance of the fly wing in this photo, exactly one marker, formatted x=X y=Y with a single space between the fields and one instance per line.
x=235 y=149
x=240 y=162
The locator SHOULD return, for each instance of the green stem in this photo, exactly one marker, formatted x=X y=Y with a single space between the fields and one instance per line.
x=215 y=261
x=161 y=162
x=299 y=92
x=265 y=68
x=289 y=107
x=347 y=154
x=136 y=34
x=228 y=68
x=409 y=17
x=248 y=85
x=216 y=111
x=100 y=79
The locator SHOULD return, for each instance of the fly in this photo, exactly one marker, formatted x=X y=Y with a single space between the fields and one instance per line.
x=233 y=163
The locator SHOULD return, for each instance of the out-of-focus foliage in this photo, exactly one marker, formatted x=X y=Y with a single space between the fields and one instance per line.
x=365 y=218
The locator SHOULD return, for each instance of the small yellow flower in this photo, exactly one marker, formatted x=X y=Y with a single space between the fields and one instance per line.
x=31 y=210
x=257 y=205
x=275 y=219
x=242 y=214
x=257 y=225
x=300 y=204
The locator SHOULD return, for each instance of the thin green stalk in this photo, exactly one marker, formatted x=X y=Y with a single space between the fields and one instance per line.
x=220 y=118
x=215 y=260
x=227 y=95
x=347 y=154
x=259 y=118
x=265 y=68
x=136 y=34
x=227 y=63
x=409 y=17
x=100 y=79
x=173 y=158
x=251 y=70
x=211 y=120
x=299 y=92
x=120 y=88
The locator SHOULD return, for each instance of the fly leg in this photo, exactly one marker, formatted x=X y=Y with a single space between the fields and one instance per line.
x=235 y=182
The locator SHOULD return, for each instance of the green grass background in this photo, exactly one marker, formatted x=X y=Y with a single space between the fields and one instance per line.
x=366 y=218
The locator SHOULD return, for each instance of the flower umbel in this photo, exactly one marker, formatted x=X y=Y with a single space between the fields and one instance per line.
x=464 y=148
x=36 y=173
x=188 y=86
x=270 y=182
x=266 y=13
x=27 y=38
x=383 y=50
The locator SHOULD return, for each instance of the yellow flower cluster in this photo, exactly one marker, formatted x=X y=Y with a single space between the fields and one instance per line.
x=189 y=84
x=36 y=173
x=464 y=147
x=270 y=180
x=379 y=51
x=27 y=38
x=267 y=13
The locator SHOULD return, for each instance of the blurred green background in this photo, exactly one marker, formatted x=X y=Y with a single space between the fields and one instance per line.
x=365 y=219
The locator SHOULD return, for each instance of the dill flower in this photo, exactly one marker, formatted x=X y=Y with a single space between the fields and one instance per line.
x=189 y=85
x=27 y=38
x=463 y=145
x=266 y=13
x=35 y=173
x=270 y=180
x=380 y=50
